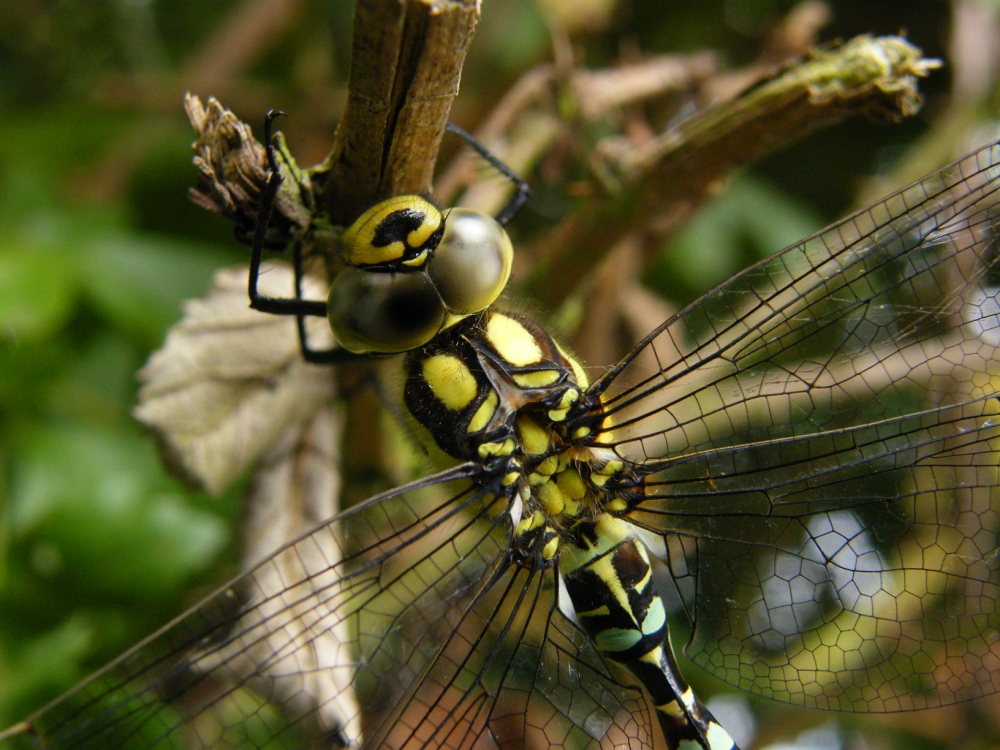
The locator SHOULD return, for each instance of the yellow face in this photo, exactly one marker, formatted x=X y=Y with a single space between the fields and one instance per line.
x=403 y=230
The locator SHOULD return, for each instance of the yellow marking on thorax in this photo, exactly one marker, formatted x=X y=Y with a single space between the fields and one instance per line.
x=533 y=521
x=600 y=477
x=551 y=497
x=569 y=398
x=536 y=378
x=512 y=341
x=578 y=373
x=450 y=380
x=488 y=450
x=548 y=466
x=612 y=467
x=534 y=438
x=484 y=413
x=550 y=548
x=571 y=483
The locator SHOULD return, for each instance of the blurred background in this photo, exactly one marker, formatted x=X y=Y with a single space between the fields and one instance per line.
x=100 y=245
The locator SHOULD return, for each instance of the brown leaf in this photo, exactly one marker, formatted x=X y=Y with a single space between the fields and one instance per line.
x=232 y=171
x=230 y=381
x=296 y=486
x=294 y=642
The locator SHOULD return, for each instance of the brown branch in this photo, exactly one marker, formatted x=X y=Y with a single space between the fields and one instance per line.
x=406 y=64
x=405 y=70
x=679 y=169
x=407 y=59
x=525 y=127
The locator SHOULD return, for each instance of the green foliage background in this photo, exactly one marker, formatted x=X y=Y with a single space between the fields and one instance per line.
x=99 y=246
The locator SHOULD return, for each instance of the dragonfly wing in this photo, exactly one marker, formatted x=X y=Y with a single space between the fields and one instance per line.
x=855 y=570
x=818 y=437
x=403 y=622
x=512 y=671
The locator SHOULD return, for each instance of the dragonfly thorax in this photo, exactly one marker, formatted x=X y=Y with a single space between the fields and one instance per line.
x=471 y=386
x=497 y=389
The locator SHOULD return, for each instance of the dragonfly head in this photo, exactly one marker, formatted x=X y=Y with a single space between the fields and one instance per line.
x=413 y=272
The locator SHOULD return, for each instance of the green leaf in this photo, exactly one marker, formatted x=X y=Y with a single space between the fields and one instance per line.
x=37 y=287
x=140 y=281
x=751 y=221
x=95 y=516
x=44 y=664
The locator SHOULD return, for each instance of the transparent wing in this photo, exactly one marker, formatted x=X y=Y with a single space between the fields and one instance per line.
x=819 y=436
x=404 y=622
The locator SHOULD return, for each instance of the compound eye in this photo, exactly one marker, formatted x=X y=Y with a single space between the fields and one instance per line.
x=401 y=231
x=385 y=313
x=472 y=262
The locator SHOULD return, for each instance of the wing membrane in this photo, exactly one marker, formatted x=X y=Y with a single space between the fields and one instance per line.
x=820 y=435
x=854 y=570
x=404 y=622
x=892 y=310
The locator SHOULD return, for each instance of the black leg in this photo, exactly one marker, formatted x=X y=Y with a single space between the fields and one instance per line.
x=296 y=306
x=315 y=356
x=258 y=301
x=522 y=193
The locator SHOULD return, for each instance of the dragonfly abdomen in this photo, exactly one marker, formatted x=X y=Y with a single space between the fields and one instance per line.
x=610 y=582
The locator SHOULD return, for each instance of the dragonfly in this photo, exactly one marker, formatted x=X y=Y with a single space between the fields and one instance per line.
x=809 y=451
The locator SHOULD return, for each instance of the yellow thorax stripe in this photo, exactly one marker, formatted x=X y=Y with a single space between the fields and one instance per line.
x=512 y=341
x=484 y=413
x=450 y=380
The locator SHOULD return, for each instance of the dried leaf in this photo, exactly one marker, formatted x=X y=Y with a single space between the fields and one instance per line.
x=232 y=172
x=230 y=381
x=294 y=490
